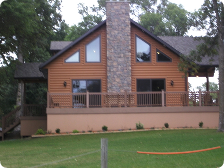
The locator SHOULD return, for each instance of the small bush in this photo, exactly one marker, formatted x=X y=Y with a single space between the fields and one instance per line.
x=104 y=128
x=201 y=124
x=139 y=126
x=75 y=131
x=58 y=130
x=166 y=125
x=40 y=132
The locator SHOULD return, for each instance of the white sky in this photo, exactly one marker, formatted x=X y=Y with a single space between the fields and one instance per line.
x=71 y=17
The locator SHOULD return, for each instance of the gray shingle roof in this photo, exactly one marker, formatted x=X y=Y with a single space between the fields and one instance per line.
x=29 y=71
x=185 y=45
x=59 y=45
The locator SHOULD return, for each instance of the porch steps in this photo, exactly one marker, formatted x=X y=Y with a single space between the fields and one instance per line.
x=10 y=121
x=10 y=127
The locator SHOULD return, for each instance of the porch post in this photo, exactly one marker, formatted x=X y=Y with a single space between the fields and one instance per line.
x=87 y=99
x=163 y=98
x=22 y=97
x=199 y=97
x=48 y=105
x=125 y=98
x=207 y=84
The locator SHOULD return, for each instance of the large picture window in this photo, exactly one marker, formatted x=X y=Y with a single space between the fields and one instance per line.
x=93 y=51
x=143 y=50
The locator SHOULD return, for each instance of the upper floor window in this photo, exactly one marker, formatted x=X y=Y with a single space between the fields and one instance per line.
x=93 y=50
x=161 y=57
x=143 y=51
x=73 y=58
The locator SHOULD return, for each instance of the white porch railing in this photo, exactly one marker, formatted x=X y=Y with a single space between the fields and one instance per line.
x=131 y=99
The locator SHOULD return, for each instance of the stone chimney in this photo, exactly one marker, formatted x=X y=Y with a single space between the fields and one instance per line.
x=118 y=46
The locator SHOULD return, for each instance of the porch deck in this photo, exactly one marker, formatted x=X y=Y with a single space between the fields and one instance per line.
x=132 y=99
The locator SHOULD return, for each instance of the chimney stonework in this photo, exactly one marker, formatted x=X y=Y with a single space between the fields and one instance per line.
x=118 y=46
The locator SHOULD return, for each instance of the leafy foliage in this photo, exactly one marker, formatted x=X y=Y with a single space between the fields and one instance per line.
x=166 y=125
x=40 y=132
x=104 y=128
x=58 y=131
x=139 y=126
x=75 y=131
x=25 y=27
x=212 y=86
x=168 y=20
x=201 y=124
x=8 y=88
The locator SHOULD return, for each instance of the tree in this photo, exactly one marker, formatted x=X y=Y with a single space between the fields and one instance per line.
x=8 y=88
x=168 y=20
x=212 y=86
x=91 y=17
x=26 y=26
x=210 y=17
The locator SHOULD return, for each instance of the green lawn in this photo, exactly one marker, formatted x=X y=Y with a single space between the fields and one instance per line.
x=84 y=150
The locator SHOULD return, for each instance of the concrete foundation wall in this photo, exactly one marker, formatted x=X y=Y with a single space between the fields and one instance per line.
x=93 y=119
x=30 y=125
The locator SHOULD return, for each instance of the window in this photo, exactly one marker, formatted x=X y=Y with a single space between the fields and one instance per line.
x=73 y=58
x=93 y=51
x=161 y=57
x=143 y=51
x=150 y=85
x=81 y=86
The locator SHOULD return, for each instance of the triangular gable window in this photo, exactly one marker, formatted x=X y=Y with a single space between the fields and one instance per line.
x=73 y=58
x=161 y=57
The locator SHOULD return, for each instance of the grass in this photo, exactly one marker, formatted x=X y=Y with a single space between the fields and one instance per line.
x=84 y=150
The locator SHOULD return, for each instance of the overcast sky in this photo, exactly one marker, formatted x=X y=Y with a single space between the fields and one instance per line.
x=71 y=17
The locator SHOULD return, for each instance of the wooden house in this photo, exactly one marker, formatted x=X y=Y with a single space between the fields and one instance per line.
x=117 y=74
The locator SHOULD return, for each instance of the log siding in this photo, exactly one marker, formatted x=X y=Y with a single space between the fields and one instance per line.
x=60 y=71
x=155 y=70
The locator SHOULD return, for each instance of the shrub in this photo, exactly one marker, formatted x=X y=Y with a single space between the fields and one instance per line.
x=104 y=128
x=75 y=131
x=139 y=126
x=201 y=124
x=166 y=125
x=40 y=132
x=58 y=130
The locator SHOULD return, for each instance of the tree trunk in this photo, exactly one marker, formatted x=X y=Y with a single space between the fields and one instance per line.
x=221 y=64
x=221 y=85
x=20 y=91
